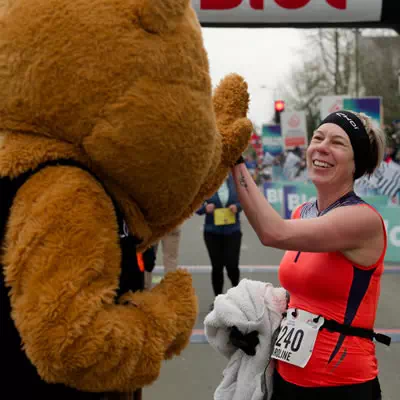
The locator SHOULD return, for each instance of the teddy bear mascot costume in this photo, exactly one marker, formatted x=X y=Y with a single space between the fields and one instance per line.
x=110 y=137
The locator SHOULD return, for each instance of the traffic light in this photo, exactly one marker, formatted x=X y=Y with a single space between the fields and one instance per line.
x=279 y=107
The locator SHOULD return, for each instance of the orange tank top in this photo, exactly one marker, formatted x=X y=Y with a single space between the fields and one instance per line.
x=330 y=285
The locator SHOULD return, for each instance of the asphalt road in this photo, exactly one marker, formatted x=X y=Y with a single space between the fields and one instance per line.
x=197 y=372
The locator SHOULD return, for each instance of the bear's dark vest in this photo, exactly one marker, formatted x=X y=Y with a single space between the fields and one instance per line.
x=19 y=376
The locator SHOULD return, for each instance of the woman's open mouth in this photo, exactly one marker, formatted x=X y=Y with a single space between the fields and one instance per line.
x=321 y=164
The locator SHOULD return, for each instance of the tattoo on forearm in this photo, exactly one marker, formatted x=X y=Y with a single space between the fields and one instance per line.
x=242 y=181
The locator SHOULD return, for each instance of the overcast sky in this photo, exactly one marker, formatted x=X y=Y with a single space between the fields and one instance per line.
x=264 y=57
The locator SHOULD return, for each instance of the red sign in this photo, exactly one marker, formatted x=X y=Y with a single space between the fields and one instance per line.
x=259 y=4
x=295 y=142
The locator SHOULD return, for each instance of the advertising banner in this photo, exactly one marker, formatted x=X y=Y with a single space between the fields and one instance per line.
x=272 y=141
x=294 y=129
x=295 y=195
x=391 y=216
x=287 y=11
x=330 y=104
x=372 y=106
x=285 y=197
x=273 y=192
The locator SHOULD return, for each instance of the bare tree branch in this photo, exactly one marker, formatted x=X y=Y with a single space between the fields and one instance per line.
x=329 y=67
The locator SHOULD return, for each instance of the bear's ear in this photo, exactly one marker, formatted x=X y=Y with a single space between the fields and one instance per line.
x=158 y=16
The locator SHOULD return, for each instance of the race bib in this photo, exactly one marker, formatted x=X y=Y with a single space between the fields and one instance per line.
x=297 y=336
x=224 y=216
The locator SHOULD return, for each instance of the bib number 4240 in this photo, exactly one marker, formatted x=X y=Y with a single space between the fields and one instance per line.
x=296 y=339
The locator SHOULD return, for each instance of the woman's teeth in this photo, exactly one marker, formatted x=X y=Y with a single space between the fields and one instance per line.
x=322 y=164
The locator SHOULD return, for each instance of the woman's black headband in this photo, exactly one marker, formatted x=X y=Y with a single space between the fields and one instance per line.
x=364 y=157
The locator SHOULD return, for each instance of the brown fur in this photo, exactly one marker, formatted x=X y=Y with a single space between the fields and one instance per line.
x=122 y=86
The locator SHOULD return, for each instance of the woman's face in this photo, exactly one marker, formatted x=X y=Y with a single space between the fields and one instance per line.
x=330 y=157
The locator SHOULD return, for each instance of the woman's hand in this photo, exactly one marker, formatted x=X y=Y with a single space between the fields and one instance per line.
x=233 y=208
x=210 y=208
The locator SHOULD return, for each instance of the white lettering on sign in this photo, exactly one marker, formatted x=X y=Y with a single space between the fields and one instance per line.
x=294 y=200
x=393 y=234
x=286 y=11
x=274 y=195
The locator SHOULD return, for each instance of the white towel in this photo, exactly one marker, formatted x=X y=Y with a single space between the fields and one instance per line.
x=250 y=306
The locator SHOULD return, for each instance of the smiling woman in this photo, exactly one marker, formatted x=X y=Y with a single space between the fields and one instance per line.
x=343 y=148
x=366 y=142
x=330 y=157
x=332 y=267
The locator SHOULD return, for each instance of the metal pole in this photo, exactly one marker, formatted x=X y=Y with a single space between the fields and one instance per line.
x=398 y=82
x=336 y=61
x=357 y=51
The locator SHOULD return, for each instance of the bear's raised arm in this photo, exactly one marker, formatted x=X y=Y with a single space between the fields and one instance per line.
x=62 y=263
